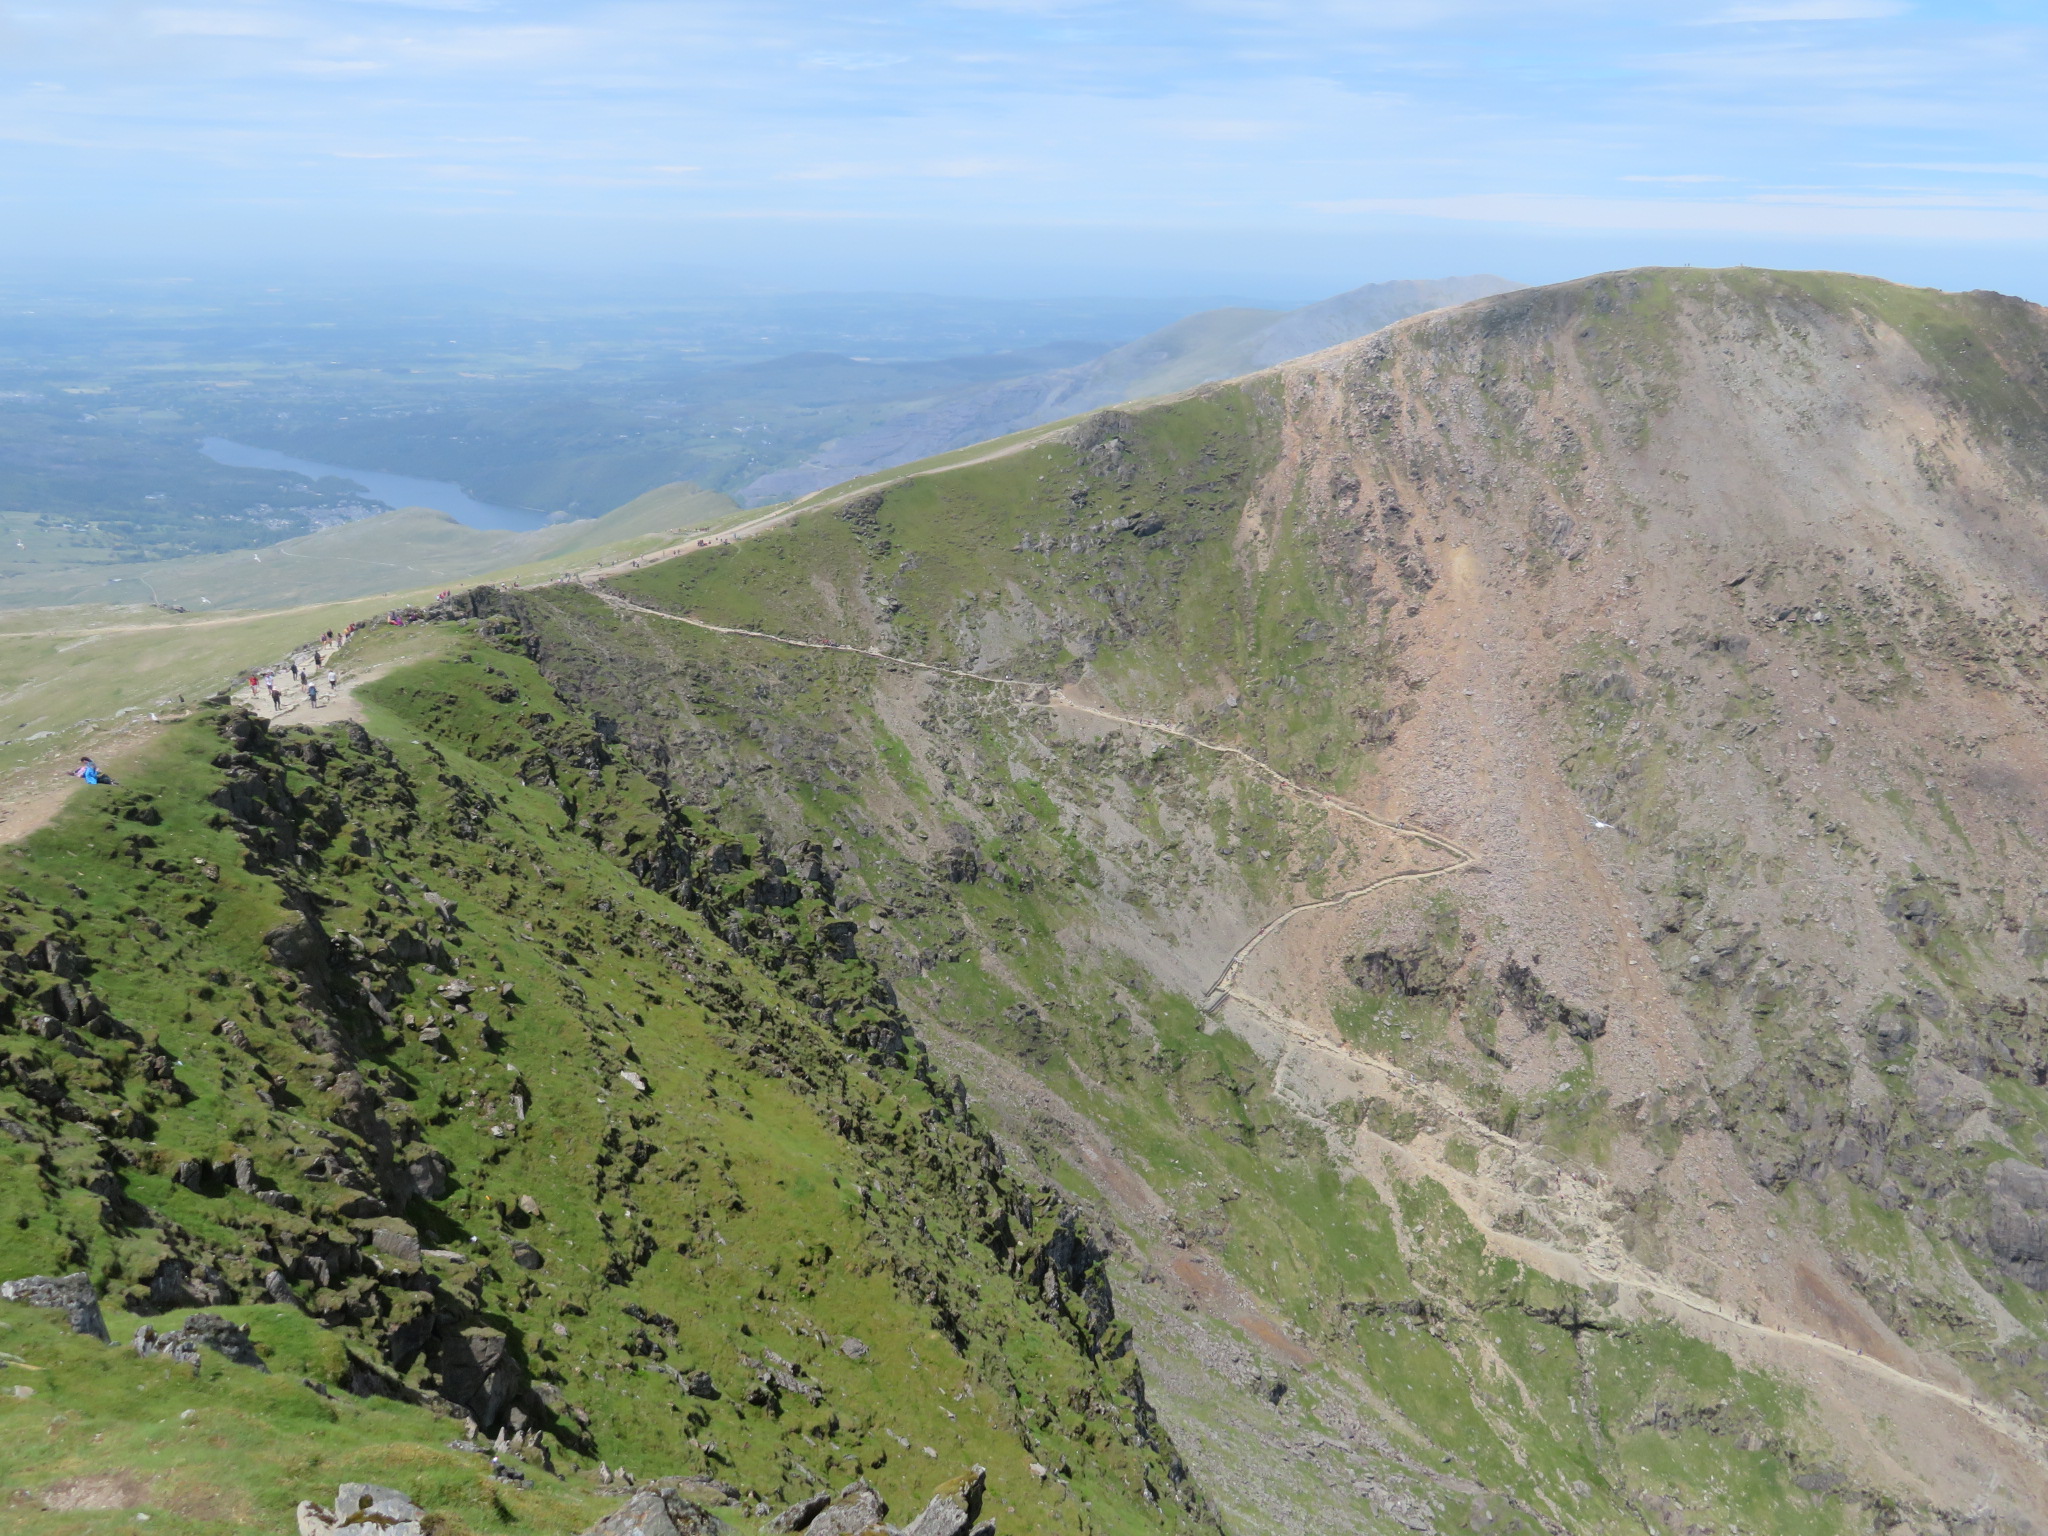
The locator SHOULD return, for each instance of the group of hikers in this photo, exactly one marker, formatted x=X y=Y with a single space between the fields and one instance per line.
x=310 y=668
x=304 y=672
x=304 y=668
x=306 y=676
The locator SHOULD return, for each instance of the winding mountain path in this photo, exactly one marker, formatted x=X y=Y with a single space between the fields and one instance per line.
x=1055 y=698
x=1549 y=1258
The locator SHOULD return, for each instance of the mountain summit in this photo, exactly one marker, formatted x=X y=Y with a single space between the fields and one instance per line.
x=1682 y=634
x=1215 y=344
x=1446 y=936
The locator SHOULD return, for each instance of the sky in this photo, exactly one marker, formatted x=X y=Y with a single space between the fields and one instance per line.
x=1273 y=148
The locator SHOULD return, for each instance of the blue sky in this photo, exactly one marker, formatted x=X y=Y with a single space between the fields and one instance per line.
x=1281 y=148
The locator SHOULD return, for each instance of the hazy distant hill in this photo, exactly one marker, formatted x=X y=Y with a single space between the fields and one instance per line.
x=1215 y=344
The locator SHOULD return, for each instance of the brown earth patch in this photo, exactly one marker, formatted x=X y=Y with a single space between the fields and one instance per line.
x=100 y=1490
x=1836 y=1317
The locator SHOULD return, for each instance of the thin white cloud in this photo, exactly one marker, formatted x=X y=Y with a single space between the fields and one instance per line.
x=854 y=62
x=1807 y=10
x=217 y=23
x=1225 y=130
x=1795 y=217
x=1205 y=112
x=2002 y=168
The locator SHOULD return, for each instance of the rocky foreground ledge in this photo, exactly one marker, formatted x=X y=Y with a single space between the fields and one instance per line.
x=660 y=1510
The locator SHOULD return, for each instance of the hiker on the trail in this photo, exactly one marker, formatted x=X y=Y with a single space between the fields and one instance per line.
x=333 y=682
x=87 y=770
x=313 y=694
x=276 y=699
x=253 y=687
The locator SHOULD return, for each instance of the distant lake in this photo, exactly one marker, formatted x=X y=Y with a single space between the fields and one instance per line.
x=392 y=490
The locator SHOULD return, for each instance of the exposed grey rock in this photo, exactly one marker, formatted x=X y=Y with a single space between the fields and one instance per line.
x=801 y=1514
x=779 y=1375
x=657 y=1512
x=73 y=1293
x=396 y=1240
x=373 y=1508
x=704 y=1490
x=954 y=1508
x=857 y=1507
x=478 y=1371
x=2019 y=1220
x=206 y=1330
x=853 y=1349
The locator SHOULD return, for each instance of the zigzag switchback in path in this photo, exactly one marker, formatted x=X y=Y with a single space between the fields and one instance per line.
x=1623 y=1273
x=1611 y=1264
x=1055 y=698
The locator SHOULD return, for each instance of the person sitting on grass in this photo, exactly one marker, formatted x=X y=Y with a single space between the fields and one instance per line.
x=87 y=770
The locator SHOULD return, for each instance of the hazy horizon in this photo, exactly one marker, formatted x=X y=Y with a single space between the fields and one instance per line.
x=1285 y=149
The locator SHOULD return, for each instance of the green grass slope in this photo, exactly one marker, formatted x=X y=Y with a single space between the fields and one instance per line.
x=478 y=1077
x=1438 y=1383
x=1275 y=572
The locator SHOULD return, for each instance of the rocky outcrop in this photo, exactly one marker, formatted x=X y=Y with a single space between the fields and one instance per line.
x=857 y=1508
x=202 y=1330
x=953 y=1509
x=657 y=1512
x=367 y=1509
x=2019 y=1220
x=72 y=1293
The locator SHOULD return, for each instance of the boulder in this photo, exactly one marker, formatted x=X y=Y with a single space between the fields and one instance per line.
x=857 y=1507
x=953 y=1509
x=396 y=1240
x=223 y=1337
x=657 y=1512
x=801 y=1514
x=375 y=1510
x=705 y=1490
x=206 y=1330
x=479 y=1372
x=73 y=1293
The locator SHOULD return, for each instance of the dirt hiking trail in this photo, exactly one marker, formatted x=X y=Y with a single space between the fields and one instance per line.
x=1606 y=1261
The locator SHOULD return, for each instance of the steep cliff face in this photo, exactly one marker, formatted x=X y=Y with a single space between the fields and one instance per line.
x=472 y=1072
x=1699 y=616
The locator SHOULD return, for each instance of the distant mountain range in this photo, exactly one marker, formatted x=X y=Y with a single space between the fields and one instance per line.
x=1215 y=344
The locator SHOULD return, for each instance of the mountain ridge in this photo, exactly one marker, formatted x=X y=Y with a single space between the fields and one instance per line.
x=1215 y=344
x=1548 y=430
x=1675 y=1153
